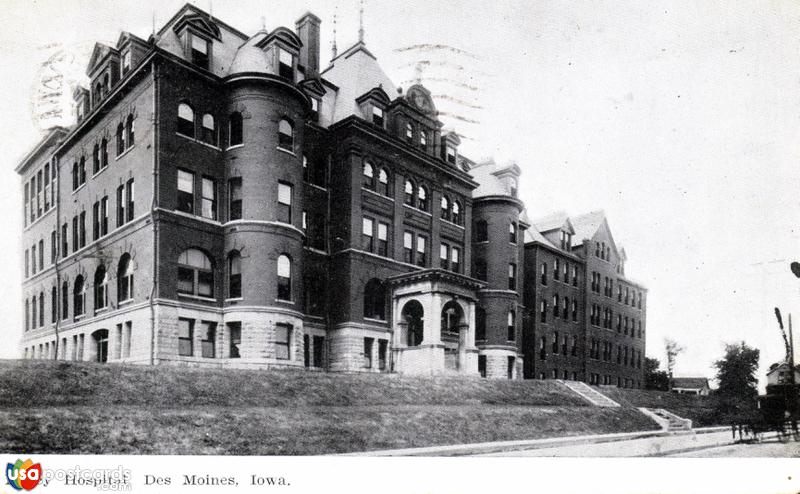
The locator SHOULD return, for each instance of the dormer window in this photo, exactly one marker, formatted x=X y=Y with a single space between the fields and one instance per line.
x=409 y=132
x=126 y=63
x=451 y=155
x=200 y=51
x=566 y=240
x=285 y=64
x=377 y=116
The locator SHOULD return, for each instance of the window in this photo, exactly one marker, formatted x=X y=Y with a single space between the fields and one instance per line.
x=104 y=216
x=574 y=311
x=480 y=324
x=375 y=300
x=319 y=350
x=421 y=251
x=481 y=231
x=422 y=198
x=185 y=120
x=444 y=256
x=47 y=186
x=125 y=278
x=512 y=276
x=543 y=311
x=208 y=339
x=95 y=159
x=33 y=312
x=235 y=199
x=103 y=153
x=383 y=182
x=41 y=309
x=456 y=217
x=27 y=264
x=409 y=132
x=41 y=255
x=512 y=328
x=100 y=288
x=455 y=259
x=130 y=129
x=480 y=269
x=53 y=305
x=482 y=365
x=450 y=155
x=512 y=232
x=565 y=308
x=78 y=297
x=445 y=207
x=408 y=247
x=314 y=115
x=64 y=240
x=284 y=202
x=574 y=276
x=286 y=135
x=185 y=337
x=285 y=64
x=383 y=239
x=366 y=234
x=234 y=274
x=185 y=192
x=120 y=139
x=235 y=339
x=208 y=131
x=208 y=201
x=53 y=247
x=408 y=197
x=33 y=259
x=121 y=205
x=423 y=139
x=383 y=346
x=368 y=176
x=284 y=277
x=511 y=364
x=566 y=240
x=96 y=221
x=64 y=300
x=235 y=129
x=199 y=51
x=82 y=171
x=126 y=62
x=283 y=333
x=556 y=269
x=195 y=274
x=555 y=305
x=368 y=352
x=377 y=116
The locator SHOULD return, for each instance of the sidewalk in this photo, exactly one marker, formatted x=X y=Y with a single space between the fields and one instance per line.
x=647 y=443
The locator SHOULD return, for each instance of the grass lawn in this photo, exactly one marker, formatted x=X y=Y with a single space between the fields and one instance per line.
x=700 y=409
x=60 y=407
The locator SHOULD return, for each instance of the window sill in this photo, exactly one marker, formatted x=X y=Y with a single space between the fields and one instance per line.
x=319 y=187
x=79 y=318
x=127 y=150
x=198 y=141
x=101 y=170
x=284 y=301
x=79 y=187
x=234 y=299
x=287 y=151
x=417 y=209
x=235 y=146
x=124 y=302
x=375 y=192
x=372 y=319
x=101 y=310
x=197 y=297
x=453 y=224
x=197 y=217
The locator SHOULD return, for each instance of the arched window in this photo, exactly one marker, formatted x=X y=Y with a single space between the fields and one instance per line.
x=286 y=135
x=64 y=300
x=456 y=218
x=96 y=158
x=82 y=171
x=368 y=174
x=100 y=338
x=27 y=314
x=445 y=208
x=375 y=300
x=512 y=325
x=422 y=198
x=234 y=274
x=452 y=317
x=383 y=181
x=53 y=305
x=409 y=193
x=41 y=309
x=125 y=278
x=423 y=138
x=33 y=312
x=98 y=92
x=78 y=297
x=130 y=128
x=75 y=175
x=284 y=277
x=409 y=132
x=120 y=139
x=209 y=130
x=236 y=129
x=100 y=288
x=186 y=120
x=103 y=153
x=195 y=274
x=512 y=234
x=414 y=317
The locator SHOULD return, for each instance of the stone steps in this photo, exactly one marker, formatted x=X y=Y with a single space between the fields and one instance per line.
x=590 y=394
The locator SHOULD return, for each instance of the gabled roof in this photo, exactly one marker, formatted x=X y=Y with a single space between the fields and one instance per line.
x=586 y=225
x=284 y=34
x=555 y=221
x=690 y=382
x=126 y=36
x=355 y=72
x=98 y=54
x=200 y=22
x=51 y=137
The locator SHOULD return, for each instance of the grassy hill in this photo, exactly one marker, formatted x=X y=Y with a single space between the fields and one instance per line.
x=700 y=409
x=66 y=407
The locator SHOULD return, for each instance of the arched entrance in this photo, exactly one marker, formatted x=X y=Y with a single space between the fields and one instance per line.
x=414 y=319
x=454 y=333
x=100 y=338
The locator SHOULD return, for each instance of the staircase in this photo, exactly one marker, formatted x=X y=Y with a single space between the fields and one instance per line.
x=668 y=420
x=590 y=394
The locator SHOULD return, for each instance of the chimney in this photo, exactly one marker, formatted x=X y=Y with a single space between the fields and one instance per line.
x=307 y=28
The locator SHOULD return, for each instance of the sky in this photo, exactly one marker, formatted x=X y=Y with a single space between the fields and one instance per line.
x=678 y=118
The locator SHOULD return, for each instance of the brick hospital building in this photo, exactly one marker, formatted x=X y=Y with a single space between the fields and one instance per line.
x=224 y=199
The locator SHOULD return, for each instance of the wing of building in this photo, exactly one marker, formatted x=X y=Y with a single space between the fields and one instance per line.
x=226 y=200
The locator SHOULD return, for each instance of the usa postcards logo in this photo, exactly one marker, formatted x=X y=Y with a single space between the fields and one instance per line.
x=23 y=475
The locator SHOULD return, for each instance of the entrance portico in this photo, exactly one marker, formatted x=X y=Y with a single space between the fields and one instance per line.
x=434 y=323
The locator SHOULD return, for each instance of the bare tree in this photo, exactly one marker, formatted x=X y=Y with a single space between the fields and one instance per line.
x=673 y=349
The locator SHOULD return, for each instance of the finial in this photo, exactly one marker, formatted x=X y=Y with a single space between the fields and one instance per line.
x=333 y=43
x=361 y=21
